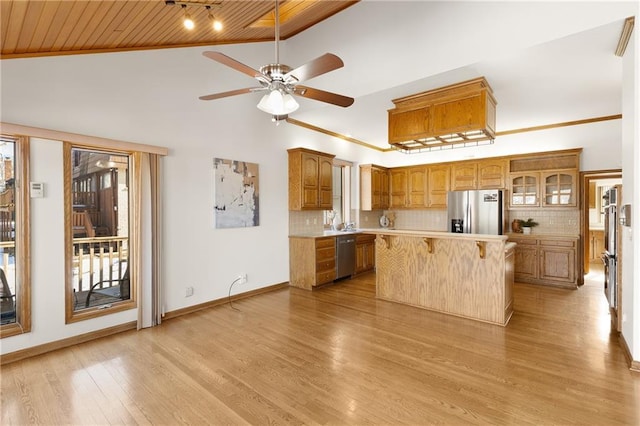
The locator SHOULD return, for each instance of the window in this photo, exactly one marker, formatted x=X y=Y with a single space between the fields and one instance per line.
x=97 y=194
x=15 y=300
x=341 y=194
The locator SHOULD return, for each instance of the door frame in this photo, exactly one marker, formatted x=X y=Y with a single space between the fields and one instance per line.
x=585 y=179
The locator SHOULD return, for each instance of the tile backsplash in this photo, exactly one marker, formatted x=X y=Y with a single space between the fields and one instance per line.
x=424 y=220
x=551 y=221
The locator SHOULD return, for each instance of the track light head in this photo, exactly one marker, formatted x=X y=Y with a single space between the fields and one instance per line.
x=215 y=24
x=187 y=22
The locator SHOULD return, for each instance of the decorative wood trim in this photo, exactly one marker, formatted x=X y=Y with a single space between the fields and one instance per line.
x=558 y=125
x=65 y=343
x=335 y=135
x=482 y=248
x=625 y=35
x=80 y=140
x=218 y=302
x=502 y=133
x=429 y=243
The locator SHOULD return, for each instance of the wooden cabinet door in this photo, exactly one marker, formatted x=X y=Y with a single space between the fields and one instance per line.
x=417 y=186
x=325 y=182
x=492 y=174
x=310 y=180
x=526 y=260
x=559 y=189
x=557 y=264
x=598 y=245
x=438 y=185
x=464 y=176
x=398 y=188
x=409 y=124
x=365 y=253
x=370 y=255
x=524 y=190
x=383 y=175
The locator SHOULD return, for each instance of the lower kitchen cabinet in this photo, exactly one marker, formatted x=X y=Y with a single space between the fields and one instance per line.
x=596 y=245
x=365 y=253
x=549 y=260
x=312 y=261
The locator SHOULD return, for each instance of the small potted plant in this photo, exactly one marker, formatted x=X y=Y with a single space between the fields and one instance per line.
x=526 y=225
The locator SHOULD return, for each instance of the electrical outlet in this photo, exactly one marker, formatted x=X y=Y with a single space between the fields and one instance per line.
x=242 y=278
x=189 y=292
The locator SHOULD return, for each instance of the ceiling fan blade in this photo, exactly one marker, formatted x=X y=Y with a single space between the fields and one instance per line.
x=321 y=95
x=320 y=65
x=231 y=93
x=238 y=66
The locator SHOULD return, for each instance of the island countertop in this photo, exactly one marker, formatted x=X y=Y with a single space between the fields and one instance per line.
x=467 y=275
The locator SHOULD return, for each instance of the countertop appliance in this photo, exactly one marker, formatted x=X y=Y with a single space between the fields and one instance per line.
x=476 y=212
x=610 y=256
x=345 y=255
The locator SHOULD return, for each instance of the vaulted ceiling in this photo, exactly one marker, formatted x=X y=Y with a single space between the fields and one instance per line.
x=42 y=28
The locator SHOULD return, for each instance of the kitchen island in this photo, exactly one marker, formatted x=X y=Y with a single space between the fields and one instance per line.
x=467 y=275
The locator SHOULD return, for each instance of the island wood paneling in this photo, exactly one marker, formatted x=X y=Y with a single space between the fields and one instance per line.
x=453 y=278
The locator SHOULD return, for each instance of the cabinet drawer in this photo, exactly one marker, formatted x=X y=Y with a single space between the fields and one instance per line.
x=325 y=265
x=325 y=242
x=323 y=254
x=365 y=238
x=325 y=277
x=558 y=243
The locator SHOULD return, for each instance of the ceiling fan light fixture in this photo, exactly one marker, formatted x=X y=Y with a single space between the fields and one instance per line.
x=278 y=103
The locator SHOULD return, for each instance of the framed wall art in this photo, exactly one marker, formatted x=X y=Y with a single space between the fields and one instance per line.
x=236 y=194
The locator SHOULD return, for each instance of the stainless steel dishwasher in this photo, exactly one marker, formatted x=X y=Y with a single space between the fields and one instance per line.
x=345 y=255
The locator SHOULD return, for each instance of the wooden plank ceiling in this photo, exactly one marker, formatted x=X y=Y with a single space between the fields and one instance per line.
x=44 y=28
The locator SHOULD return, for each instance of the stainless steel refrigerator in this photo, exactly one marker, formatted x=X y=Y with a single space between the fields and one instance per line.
x=476 y=212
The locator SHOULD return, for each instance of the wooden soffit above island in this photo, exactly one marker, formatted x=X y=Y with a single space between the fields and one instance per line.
x=462 y=113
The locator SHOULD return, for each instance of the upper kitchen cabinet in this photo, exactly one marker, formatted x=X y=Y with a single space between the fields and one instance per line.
x=374 y=187
x=544 y=180
x=559 y=188
x=310 y=180
x=464 y=176
x=417 y=187
x=492 y=174
x=438 y=185
x=398 y=188
x=524 y=190
x=483 y=174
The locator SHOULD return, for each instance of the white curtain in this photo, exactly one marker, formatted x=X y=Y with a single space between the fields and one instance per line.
x=150 y=285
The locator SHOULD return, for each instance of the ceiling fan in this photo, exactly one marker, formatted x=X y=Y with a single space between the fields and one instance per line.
x=281 y=81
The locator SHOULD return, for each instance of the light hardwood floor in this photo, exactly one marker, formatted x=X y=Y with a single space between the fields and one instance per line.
x=339 y=356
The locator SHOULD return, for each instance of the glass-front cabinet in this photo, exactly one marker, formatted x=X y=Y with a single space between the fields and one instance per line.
x=555 y=188
x=524 y=190
x=559 y=189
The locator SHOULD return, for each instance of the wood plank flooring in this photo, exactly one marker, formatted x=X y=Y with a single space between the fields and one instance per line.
x=339 y=356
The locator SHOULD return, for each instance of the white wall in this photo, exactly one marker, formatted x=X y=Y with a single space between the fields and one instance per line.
x=630 y=195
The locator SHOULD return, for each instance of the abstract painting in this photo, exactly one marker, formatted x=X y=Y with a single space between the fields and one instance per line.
x=236 y=194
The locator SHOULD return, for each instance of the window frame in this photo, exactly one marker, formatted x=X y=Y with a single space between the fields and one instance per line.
x=22 y=240
x=72 y=315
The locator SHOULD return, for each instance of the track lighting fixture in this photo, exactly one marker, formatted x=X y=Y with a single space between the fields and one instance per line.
x=215 y=24
x=187 y=22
